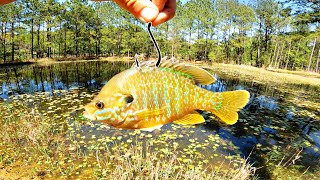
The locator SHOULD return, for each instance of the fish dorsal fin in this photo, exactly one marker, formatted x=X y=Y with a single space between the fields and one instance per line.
x=190 y=119
x=199 y=75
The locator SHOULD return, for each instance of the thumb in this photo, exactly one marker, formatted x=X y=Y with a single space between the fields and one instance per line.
x=144 y=10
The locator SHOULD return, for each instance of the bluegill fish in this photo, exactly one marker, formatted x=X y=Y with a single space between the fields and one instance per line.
x=147 y=98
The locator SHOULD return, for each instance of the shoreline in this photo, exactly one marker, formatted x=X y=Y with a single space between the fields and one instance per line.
x=265 y=75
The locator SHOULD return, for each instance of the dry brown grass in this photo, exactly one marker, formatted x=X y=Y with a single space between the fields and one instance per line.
x=299 y=72
x=266 y=76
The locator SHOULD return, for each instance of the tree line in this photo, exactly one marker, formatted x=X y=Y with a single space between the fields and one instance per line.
x=268 y=33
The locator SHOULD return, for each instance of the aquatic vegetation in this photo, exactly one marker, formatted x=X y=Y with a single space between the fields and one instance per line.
x=53 y=149
x=42 y=130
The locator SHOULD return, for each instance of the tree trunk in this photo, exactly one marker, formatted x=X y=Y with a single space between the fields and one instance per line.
x=198 y=29
x=310 y=59
x=172 y=49
x=38 y=41
x=12 y=37
x=243 y=45
x=19 y=42
x=297 y=52
x=277 y=64
x=119 y=42
x=274 y=54
x=251 y=52
x=167 y=31
x=43 y=42
x=206 y=48
x=266 y=39
x=259 y=47
x=97 y=40
x=318 y=60
x=76 y=40
x=277 y=56
x=32 y=38
x=287 y=59
x=189 y=44
x=65 y=42
x=59 y=41
x=48 y=39
x=4 y=42
x=226 y=46
x=99 y=46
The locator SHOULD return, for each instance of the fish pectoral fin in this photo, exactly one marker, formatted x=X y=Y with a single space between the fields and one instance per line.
x=148 y=113
x=198 y=74
x=190 y=119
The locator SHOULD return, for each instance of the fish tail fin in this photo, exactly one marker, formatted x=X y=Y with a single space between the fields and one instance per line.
x=227 y=104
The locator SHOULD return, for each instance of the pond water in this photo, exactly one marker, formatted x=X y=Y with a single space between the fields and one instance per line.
x=271 y=131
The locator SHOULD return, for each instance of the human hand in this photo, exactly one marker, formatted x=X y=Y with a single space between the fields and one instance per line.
x=2 y=2
x=155 y=11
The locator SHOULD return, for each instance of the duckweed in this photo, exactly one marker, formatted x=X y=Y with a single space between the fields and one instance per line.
x=47 y=132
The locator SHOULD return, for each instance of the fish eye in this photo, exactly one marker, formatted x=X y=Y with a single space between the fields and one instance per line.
x=129 y=99
x=100 y=105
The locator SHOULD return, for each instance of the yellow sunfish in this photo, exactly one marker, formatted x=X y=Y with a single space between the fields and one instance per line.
x=146 y=98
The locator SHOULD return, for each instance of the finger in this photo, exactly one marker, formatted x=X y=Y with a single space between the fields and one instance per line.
x=2 y=2
x=144 y=10
x=166 y=14
x=160 y=4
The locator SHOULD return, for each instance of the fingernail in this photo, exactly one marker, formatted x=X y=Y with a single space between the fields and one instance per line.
x=148 y=14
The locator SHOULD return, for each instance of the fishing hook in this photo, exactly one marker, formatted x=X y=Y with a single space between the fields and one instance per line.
x=155 y=44
x=137 y=61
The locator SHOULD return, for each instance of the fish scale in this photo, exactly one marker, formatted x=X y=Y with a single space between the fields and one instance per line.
x=162 y=95
x=171 y=95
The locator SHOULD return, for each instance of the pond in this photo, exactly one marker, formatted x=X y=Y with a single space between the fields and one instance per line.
x=272 y=132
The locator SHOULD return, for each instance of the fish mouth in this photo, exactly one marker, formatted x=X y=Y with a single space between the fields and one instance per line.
x=89 y=116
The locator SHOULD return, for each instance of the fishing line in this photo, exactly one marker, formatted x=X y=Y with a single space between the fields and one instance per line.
x=155 y=44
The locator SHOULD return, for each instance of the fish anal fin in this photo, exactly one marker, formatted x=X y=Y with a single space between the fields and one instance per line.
x=190 y=119
x=150 y=129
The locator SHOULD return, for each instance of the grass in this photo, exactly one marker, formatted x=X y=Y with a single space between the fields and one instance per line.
x=299 y=72
x=274 y=77
x=35 y=146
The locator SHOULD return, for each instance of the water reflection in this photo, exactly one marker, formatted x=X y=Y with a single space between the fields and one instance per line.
x=263 y=101
x=62 y=76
